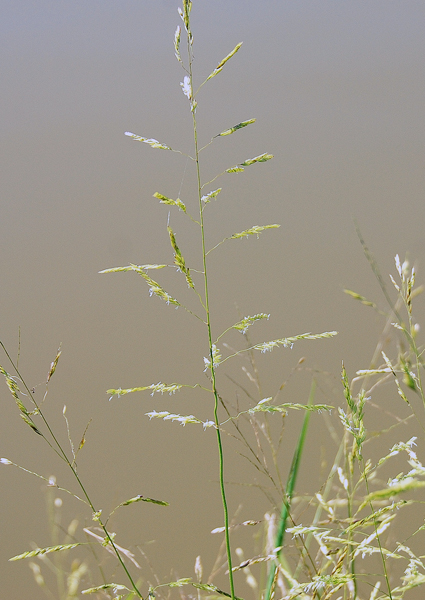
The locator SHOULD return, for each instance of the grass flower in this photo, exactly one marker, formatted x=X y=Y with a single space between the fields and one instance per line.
x=186 y=87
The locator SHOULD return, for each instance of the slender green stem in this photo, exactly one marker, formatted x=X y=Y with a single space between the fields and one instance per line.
x=210 y=342
x=106 y=532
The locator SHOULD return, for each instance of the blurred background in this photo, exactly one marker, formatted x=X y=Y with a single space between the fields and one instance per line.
x=338 y=92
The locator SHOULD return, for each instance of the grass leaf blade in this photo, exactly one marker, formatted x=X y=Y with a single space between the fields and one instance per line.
x=290 y=486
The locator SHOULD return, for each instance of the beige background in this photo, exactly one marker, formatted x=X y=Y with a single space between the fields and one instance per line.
x=338 y=92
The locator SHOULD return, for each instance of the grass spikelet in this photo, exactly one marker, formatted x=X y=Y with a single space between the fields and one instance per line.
x=137 y=268
x=255 y=230
x=282 y=408
x=78 y=571
x=115 y=587
x=43 y=551
x=112 y=547
x=410 y=379
x=365 y=372
x=36 y=572
x=365 y=548
x=165 y=200
x=250 y=523
x=347 y=391
x=157 y=290
x=138 y=498
x=246 y=322
x=13 y=387
x=322 y=583
x=235 y=169
x=360 y=298
x=144 y=499
x=289 y=341
x=261 y=158
x=179 y=260
x=253 y=561
x=187 y=88
x=210 y=196
x=249 y=577
x=236 y=127
x=152 y=142
x=177 y=36
x=161 y=388
x=183 y=420
x=236 y=525
x=53 y=365
x=198 y=568
x=83 y=438
x=179 y=583
x=209 y=587
x=407 y=485
x=31 y=424
x=375 y=591
x=216 y=358
x=185 y=16
x=399 y=388
x=14 y=390
x=376 y=516
x=221 y=64
x=249 y=161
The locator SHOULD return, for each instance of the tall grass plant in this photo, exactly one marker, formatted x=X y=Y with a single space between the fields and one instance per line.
x=335 y=542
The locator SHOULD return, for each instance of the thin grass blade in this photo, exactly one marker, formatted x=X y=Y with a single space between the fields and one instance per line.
x=290 y=486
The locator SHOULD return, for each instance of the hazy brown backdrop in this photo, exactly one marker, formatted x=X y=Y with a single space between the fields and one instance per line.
x=338 y=92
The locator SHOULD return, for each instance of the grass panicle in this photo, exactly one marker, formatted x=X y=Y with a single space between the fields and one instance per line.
x=339 y=541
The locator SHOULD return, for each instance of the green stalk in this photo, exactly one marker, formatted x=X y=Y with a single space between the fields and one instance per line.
x=210 y=343
x=286 y=504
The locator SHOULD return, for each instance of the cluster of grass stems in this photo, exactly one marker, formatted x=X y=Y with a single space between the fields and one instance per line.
x=348 y=548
